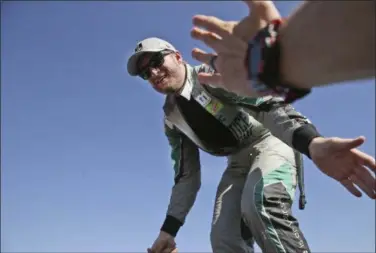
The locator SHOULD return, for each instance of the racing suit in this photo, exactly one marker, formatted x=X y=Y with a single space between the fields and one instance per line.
x=261 y=138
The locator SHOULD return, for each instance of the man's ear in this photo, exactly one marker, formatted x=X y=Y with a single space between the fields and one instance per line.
x=178 y=57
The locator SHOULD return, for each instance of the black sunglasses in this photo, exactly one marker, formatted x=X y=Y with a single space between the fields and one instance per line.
x=155 y=61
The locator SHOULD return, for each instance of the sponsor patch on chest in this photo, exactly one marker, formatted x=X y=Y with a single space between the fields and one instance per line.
x=211 y=105
x=214 y=107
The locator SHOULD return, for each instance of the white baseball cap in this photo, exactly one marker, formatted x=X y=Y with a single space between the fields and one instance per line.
x=152 y=44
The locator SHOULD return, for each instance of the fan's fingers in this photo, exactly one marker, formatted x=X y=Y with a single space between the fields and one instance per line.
x=210 y=39
x=215 y=79
x=202 y=56
x=213 y=24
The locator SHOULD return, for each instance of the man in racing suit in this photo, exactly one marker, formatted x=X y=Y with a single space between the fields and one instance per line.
x=259 y=137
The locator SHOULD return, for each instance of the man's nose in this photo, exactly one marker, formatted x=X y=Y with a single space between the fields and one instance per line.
x=154 y=71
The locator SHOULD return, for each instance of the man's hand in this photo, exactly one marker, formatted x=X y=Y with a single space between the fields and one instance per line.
x=230 y=41
x=165 y=243
x=339 y=159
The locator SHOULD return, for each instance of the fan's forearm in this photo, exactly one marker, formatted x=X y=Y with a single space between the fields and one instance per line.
x=326 y=42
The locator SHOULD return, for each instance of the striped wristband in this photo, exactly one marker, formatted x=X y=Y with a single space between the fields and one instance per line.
x=263 y=64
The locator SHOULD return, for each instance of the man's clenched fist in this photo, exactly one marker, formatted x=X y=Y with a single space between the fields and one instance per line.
x=165 y=243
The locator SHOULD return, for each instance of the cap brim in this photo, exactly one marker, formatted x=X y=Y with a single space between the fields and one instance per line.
x=133 y=60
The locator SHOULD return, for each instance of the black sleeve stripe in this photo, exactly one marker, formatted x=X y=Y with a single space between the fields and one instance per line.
x=171 y=225
x=302 y=138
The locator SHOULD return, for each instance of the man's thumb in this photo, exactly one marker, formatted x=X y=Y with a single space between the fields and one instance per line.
x=352 y=143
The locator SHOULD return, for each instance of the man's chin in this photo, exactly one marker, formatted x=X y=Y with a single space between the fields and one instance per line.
x=165 y=90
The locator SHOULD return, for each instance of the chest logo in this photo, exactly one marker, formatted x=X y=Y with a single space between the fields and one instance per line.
x=214 y=107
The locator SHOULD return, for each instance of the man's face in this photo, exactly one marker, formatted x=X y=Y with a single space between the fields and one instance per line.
x=163 y=70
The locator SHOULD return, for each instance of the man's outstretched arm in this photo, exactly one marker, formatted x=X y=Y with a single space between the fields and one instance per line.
x=336 y=157
x=283 y=121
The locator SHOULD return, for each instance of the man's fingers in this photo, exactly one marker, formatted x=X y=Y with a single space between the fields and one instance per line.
x=159 y=247
x=210 y=39
x=213 y=24
x=170 y=250
x=367 y=179
x=364 y=184
x=210 y=78
x=352 y=143
x=202 y=56
x=351 y=187
x=365 y=160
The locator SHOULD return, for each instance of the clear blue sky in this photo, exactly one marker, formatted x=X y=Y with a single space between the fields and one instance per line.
x=85 y=164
